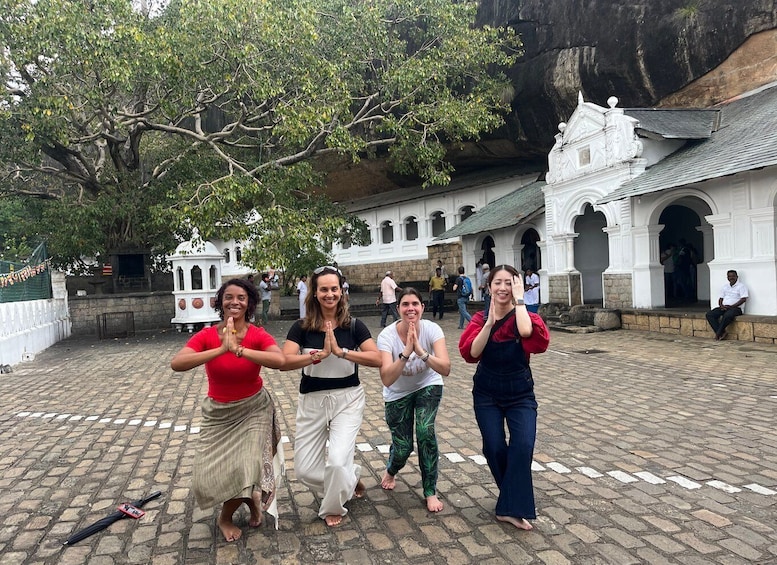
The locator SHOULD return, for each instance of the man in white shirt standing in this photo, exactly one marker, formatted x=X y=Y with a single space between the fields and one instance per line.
x=388 y=298
x=730 y=305
x=531 y=292
x=302 y=291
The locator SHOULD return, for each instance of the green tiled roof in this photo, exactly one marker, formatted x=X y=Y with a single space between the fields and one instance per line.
x=746 y=140
x=509 y=210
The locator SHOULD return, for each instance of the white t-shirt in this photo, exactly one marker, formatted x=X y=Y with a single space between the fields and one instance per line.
x=388 y=290
x=532 y=296
x=731 y=294
x=302 y=289
x=416 y=374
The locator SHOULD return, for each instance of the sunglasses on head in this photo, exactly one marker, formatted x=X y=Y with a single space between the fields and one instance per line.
x=327 y=268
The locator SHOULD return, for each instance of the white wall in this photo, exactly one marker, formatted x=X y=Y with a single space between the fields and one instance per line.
x=421 y=207
x=29 y=327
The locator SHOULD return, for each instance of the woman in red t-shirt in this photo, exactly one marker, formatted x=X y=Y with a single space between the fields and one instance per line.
x=237 y=413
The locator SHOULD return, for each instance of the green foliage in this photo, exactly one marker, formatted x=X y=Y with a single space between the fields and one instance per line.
x=134 y=126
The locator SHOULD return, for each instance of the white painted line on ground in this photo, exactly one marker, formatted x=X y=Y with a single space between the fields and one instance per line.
x=684 y=482
x=649 y=478
x=760 y=490
x=558 y=467
x=452 y=457
x=622 y=476
x=589 y=472
x=720 y=485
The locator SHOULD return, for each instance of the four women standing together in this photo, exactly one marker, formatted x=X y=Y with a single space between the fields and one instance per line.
x=328 y=345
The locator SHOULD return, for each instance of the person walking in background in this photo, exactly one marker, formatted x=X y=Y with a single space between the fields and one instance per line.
x=485 y=270
x=437 y=293
x=265 y=294
x=346 y=288
x=388 y=298
x=731 y=304
x=531 y=294
x=463 y=289
x=503 y=390
x=443 y=272
x=302 y=292
x=237 y=413
x=328 y=345
x=414 y=359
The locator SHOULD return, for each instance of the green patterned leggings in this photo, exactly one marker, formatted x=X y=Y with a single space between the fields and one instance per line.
x=420 y=406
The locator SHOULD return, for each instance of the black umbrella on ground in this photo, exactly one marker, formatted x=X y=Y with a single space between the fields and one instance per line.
x=108 y=520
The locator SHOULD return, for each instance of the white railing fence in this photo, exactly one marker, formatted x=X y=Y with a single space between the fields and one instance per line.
x=27 y=328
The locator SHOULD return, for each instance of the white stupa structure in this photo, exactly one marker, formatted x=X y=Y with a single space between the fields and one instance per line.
x=196 y=277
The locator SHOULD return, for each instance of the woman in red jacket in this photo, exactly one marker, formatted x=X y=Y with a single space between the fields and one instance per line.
x=503 y=390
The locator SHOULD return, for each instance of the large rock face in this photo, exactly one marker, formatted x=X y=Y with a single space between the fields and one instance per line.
x=686 y=53
x=640 y=51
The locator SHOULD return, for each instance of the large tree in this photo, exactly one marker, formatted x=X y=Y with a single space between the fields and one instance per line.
x=210 y=113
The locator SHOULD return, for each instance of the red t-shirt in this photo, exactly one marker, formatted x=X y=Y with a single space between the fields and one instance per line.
x=230 y=377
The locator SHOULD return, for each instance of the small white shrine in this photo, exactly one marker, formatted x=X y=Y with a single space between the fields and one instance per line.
x=196 y=279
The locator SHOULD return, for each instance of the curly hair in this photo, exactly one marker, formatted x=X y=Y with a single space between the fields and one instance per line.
x=248 y=286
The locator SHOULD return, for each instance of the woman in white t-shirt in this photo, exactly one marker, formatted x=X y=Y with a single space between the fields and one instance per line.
x=414 y=360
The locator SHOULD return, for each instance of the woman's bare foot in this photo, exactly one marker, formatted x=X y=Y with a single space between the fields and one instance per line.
x=388 y=482
x=433 y=504
x=360 y=490
x=255 y=506
x=228 y=528
x=520 y=523
x=333 y=520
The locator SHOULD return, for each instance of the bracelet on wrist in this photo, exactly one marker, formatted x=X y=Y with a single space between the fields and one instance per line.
x=425 y=356
x=239 y=351
x=344 y=353
x=315 y=356
x=403 y=357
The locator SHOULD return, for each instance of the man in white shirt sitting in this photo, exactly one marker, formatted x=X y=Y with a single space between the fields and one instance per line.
x=730 y=305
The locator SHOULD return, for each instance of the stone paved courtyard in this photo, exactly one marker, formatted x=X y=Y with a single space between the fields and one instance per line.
x=651 y=449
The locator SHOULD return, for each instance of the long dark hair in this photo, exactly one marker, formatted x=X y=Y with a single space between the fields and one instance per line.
x=509 y=268
x=314 y=318
x=253 y=297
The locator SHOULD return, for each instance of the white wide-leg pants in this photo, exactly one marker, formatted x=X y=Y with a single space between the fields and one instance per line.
x=336 y=416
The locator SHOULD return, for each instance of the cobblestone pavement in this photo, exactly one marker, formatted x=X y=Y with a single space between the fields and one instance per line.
x=651 y=449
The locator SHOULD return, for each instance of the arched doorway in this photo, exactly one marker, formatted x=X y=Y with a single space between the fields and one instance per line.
x=530 y=251
x=487 y=248
x=592 y=253
x=681 y=242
